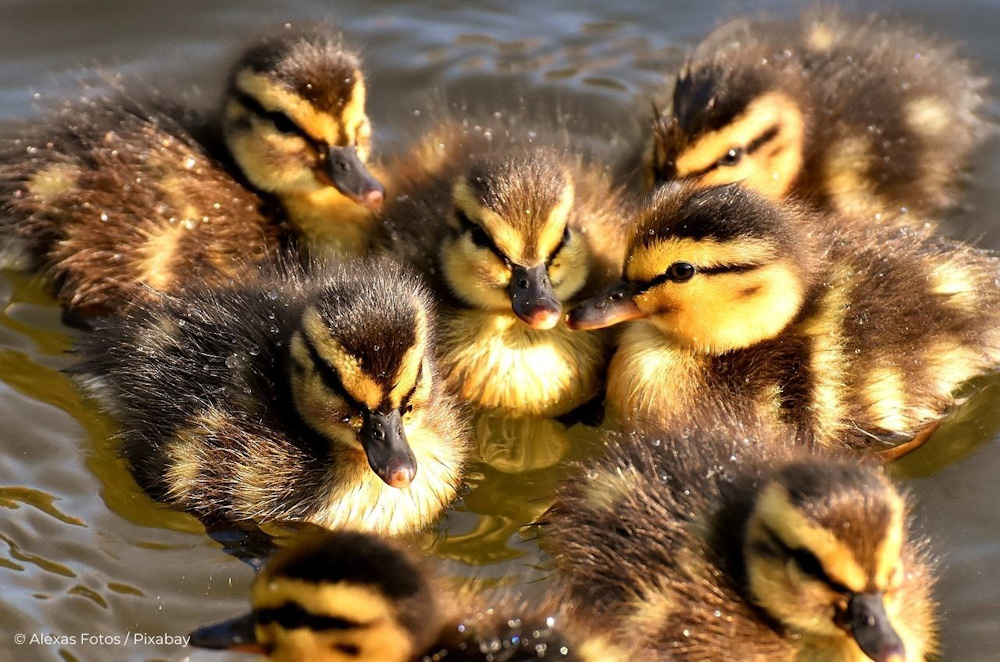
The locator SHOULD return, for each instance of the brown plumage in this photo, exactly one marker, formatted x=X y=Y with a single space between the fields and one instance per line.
x=293 y=396
x=346 y=596
x=850 y=333
x=121 y=193
x=506 y=227
x=864 y=116
x=723 y=540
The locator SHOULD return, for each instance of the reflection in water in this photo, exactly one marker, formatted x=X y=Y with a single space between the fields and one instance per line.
x=515 y=445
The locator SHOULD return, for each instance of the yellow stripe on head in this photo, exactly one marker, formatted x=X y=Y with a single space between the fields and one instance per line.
x=359 y=385
x=775 y=511
x=506 y=237
x=274 y=97
x=645 y=263
x=410 y=365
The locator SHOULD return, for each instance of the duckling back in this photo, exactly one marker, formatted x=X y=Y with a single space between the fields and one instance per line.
x=657 y=543
x=288 y=397
x=865 y=117
x=112 y=198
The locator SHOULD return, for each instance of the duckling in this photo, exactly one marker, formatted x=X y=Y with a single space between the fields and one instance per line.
x=865 y=117
x=344 y=595
x=114 y=196
x=505 y=230
x=294 y=396
x=730 y=541
x=853 y=335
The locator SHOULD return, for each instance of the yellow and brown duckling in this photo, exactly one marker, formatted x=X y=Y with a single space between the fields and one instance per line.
x=727 y=541
x=302 y=397
x=116 y=195
x=344 y=596
x=506 y=231
x=865 y=117
x=850 y=333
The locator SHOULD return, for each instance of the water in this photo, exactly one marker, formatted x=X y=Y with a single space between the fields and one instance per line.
x=85 y=551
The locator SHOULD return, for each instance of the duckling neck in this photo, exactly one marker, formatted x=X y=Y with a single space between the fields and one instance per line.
x=496 y=361
x=651 y=373
x=328 y=222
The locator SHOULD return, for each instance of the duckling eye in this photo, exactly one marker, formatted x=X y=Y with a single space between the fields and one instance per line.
x=809 y=564
x=479 y=237
x=680 y=272
x=732 y=157
x=283 y=123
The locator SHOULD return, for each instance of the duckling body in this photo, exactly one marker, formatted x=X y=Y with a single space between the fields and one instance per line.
x=857 y=335
x=116 y=195
x=866 y=117
x=505 y=230
x=290 y=397
x=724 y=541
x=344 y=595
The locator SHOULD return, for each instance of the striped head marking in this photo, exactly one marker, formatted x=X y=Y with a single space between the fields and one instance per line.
x=716 y=270
x=334 y=597
x=295 y=119
x=361 y=373
x=824 y=556
x=729 y=126
x=513 y=246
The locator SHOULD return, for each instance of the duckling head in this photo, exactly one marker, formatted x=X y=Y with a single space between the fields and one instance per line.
x=334 y=597
x=825 y=556
x=715 y=270
x=360 y=369
x=295 y=122
x=511 y=246
x=731 y=122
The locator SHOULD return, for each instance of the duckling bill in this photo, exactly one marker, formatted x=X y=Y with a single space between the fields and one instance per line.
x=847 y=332
x=304 y=397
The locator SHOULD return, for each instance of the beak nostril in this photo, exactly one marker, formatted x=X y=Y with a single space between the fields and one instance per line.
x=522 y=283
x=616 y=296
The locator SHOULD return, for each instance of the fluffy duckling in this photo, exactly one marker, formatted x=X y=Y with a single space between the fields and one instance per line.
x=730 y=542
x=858 y=335
x=506 y=230
x=348 y=596
x=113 y=196
x=865 y=117
x=289 y=397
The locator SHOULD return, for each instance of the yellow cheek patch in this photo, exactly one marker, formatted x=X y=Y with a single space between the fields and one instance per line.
x=772 y=167
x=647 y=263
x=775 y=511
x=717 y=313
x=358 y=385
x=274 y=97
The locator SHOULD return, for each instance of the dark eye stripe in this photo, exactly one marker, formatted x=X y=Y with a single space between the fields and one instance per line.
x=706 y=271
x=279 y=119
x=292 y=616
x=754 y=145
x=413 y=389
x=469 y=226
x=806 y=561
x=329 y=376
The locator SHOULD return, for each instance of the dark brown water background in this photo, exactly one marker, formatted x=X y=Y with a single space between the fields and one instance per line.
x=82 y=550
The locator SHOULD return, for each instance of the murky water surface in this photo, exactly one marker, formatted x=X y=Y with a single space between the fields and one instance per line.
x=86 y=554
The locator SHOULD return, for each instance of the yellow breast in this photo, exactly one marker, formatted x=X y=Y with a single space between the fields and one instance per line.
x=495 y=361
